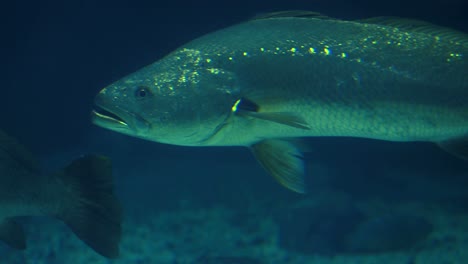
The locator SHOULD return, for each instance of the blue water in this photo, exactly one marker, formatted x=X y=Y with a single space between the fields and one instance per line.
x=217 y=205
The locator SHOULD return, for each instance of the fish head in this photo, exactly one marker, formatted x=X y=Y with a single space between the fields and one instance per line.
x=181 y=99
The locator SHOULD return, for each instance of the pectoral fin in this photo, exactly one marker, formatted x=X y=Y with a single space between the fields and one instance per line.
x=12 y=234
x=288 y=119
x=457 y=147
x=246 y=107
x=283 y=161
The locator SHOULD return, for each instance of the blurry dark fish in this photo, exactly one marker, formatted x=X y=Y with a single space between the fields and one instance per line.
x=299 y=74
x=81 y=195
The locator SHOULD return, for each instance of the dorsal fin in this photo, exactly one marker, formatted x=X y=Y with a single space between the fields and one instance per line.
x=18 y=152
x=292 y=13
x=412 y=25
x=419 y=26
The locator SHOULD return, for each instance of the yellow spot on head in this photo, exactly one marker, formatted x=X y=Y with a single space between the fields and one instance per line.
x=182 y=79
x=277 y=48
x=234 y=107
x=311 y=50
x=214 y=71
x=455 y=55
x=262 y=49
x=230 y=58
x=293 y=50
x=343 y=55
x=327 y=51
x=208 y=60
x=245 y=53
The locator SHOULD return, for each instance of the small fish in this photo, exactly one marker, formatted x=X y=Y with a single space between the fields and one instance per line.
x=299 y=74
x=81 y=195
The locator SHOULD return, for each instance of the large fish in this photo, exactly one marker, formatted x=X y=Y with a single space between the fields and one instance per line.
x=299 y=74
x=81 y=195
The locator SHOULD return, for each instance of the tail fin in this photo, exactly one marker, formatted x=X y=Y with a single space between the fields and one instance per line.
x=95 y=213
x=12 y=234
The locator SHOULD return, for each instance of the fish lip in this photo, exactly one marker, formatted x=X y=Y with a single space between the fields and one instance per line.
x=119 y=119
x=105 y=116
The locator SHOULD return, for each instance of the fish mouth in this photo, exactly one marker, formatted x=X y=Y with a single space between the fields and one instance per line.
x=109 y=118
x=118 y=119
x=117 y=116
x=104 y=117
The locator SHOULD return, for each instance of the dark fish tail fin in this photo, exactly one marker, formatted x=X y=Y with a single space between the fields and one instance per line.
x=12 y=234
x=95 y=213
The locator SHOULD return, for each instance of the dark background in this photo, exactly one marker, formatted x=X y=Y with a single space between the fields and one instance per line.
x=56 y=55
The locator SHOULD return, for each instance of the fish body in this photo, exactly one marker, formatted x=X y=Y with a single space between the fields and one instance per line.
x=81 y=195
x=285 y=76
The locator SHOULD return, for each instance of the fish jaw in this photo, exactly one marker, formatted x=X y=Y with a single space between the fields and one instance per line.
x=109 y=122
x=110 y=116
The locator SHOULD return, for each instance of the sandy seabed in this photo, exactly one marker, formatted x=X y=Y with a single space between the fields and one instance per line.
x=212 y=235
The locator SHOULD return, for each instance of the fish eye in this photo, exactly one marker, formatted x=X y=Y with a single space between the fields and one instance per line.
x=142 y=92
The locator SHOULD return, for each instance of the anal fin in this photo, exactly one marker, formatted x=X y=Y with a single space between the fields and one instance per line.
x=12 y=234
x=283 y=161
